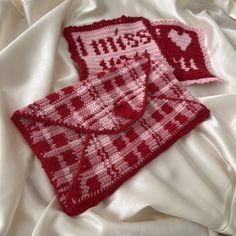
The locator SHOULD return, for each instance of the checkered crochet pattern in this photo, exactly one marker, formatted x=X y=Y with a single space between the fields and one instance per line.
x=95 y=134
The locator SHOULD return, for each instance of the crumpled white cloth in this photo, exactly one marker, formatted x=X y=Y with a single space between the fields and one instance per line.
x=187 y=190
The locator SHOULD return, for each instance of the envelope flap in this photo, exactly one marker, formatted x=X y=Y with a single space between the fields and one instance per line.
x=105 y=103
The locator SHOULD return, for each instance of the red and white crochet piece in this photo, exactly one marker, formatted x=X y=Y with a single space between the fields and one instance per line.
x=92 y=136
x=103 y=44
x=185 y=51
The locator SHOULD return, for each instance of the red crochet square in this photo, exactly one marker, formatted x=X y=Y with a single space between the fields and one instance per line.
x=130 y=158
x=131 y=135
x=119 y=144
x=184 y=49
x=60 y=140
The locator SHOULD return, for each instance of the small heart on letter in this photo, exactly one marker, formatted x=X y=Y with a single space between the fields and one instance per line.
x=181 y=41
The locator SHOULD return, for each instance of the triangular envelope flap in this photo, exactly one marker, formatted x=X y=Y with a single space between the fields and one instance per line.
x=106 y=103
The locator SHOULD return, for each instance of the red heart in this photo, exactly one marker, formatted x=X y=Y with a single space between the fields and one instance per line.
x=124 y=110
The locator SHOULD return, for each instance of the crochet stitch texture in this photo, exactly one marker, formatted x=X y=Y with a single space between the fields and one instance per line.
x=127 y=108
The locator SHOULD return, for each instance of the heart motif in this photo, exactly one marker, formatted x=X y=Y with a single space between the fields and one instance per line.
x=124 y=110
x=181 y=41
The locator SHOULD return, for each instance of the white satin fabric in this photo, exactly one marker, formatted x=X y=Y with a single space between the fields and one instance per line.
x=187 y=190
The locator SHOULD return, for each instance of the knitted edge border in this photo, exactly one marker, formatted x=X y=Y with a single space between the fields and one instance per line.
x=200 y=36
x=67 y=32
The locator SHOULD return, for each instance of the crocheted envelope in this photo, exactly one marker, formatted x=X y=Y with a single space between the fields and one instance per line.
x=92 y=136
x=102 y=44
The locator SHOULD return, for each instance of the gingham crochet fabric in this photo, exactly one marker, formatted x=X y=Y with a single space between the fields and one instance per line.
x=128 y=108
